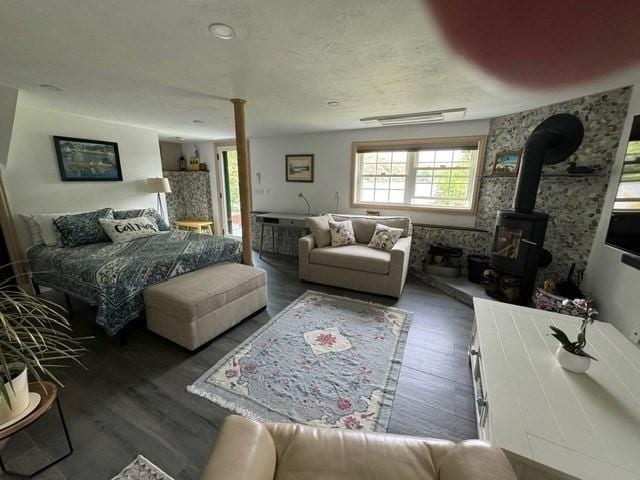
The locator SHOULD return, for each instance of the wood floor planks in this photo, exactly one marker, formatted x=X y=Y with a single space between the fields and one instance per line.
x=132 y=399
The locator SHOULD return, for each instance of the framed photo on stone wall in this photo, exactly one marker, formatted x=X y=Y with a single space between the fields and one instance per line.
x=507 y=163
x=299 y=168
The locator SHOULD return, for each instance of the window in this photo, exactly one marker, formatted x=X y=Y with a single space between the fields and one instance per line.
x=628 y=196
x=429 y=174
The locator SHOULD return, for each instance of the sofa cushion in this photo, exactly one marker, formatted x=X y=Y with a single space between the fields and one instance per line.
x=364 y=226
x=352 y=257
x=319 y=227
x=385 y=237
x=341 y=233
x=83 y=228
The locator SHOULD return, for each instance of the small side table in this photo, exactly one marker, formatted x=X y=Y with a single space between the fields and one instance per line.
x=201 y=226
x=48 y=396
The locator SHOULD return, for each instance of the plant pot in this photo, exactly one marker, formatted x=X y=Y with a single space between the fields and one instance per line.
x=571 y=361
x=19 y=396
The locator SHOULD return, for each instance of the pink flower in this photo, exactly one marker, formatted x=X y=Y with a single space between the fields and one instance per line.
x=379 y=318
x=232 y=372
x=344 y=403
x=250 y=368
x=326 y=339
x=351 y=422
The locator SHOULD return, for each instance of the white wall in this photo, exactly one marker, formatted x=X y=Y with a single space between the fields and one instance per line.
x=8 y=102
x=170 y=155
x=332 y=164
x=615 y=285
x=32 y=178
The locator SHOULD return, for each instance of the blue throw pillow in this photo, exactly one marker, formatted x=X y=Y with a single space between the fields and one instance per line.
x=83 y=228
x=143 y=212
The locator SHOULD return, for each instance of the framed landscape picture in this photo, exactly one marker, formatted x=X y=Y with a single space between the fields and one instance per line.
x=299 y=168
x=507 y=163
x=84 y=160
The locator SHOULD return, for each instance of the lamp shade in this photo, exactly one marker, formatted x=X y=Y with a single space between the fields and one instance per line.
x=158 y=185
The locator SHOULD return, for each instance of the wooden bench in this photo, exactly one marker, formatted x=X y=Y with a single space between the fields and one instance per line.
x=193 y=308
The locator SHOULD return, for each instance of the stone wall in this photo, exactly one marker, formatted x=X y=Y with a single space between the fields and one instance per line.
x=190 y=196
x=573 y=203
x=472 y=242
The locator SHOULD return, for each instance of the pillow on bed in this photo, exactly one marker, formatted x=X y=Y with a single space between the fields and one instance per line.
x=126 y=230
x=83 y=228
x=143 y=212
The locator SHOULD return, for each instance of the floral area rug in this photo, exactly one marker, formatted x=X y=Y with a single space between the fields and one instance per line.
x=324 y=360
x=141 y=469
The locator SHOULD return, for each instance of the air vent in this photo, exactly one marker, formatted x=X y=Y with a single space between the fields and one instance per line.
x=417 y=118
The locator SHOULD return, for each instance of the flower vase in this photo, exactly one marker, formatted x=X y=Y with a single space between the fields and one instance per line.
x=572 y=362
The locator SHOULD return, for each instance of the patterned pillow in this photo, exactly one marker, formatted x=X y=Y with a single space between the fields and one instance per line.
x=341 y=233
x=82 y=228
x=126 y=230
x=143 y=212
x=384 y=238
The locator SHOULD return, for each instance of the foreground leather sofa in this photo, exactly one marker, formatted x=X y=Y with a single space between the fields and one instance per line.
x=248 y=450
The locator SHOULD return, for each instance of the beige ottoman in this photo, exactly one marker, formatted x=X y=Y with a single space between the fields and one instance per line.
x=193 y=308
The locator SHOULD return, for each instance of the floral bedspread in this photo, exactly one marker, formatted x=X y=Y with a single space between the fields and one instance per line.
x=113 y=276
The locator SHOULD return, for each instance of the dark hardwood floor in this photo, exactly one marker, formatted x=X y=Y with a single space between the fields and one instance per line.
x=132 y=399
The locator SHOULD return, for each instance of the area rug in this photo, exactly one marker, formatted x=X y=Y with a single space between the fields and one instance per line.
x=141 y=469
x=324 y=360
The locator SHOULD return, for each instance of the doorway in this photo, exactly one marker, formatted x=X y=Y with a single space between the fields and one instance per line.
x=230 y=191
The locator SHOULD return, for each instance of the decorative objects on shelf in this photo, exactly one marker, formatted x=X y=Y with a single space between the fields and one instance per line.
x=83 y=160
x=571 y=355
x=34 y=337
x=507 y=163
x=299 y=168
x=159 y=185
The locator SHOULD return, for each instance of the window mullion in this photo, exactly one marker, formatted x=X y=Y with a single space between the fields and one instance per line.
x=410 y=177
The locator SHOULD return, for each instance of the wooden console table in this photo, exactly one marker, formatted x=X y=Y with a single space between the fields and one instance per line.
x=278 y=220
x=554 y=424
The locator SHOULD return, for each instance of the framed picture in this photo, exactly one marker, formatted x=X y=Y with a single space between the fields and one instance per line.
x=83 y=160
x=507 y=163
x=299 y=168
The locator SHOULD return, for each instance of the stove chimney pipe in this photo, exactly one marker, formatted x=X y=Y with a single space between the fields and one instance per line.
x=553 y=141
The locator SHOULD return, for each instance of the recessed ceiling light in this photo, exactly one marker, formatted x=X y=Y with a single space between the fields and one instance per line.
x=333 y=104
x=50 y=87
x=222 y=30
x=198 y=121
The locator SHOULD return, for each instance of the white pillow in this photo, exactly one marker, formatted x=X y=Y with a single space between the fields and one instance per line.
x=341 y=233
x=48 y=231
x=384 y=238
x=128 y=229
x=33 y=229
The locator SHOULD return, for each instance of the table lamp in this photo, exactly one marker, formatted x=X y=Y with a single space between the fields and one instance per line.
x=159 y=185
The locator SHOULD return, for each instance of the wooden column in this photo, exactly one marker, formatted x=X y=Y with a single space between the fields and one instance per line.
x=244 y=172
x=16 y=253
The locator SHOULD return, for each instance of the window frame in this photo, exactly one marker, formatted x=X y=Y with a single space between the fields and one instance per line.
x=411 y=144
x=621 y=181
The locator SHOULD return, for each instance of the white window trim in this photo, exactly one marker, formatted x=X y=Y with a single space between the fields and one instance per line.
x=445 y=142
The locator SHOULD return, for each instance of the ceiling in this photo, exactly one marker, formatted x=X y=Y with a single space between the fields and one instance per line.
x=154 y=63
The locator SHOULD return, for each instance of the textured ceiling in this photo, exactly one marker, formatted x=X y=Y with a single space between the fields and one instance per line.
x=154 y=63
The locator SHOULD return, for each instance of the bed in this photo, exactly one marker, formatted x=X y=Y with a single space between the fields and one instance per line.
x=113 y=276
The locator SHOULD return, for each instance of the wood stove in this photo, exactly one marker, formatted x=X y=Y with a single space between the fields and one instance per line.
x=517 y=249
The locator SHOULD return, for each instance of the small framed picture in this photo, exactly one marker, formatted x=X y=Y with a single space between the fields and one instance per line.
x=83 y=160
x=299 y=168
x=507 y=163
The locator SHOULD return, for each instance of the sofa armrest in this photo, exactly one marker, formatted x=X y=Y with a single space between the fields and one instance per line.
x=244 y=450
x=399 y=266
x=475 y=459
x=305 y=245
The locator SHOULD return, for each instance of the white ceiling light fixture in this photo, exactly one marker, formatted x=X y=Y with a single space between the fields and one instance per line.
x=222 y=31
x=50 y=87
x=198 y=122
x=417 y=118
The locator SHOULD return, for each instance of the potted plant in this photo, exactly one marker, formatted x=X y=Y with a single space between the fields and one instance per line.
x=571 y=355
x=34 y=337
